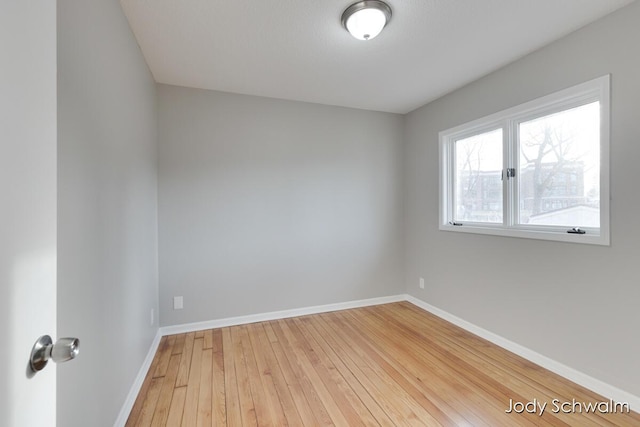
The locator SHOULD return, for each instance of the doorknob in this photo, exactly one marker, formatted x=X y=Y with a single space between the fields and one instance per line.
x=44 y=350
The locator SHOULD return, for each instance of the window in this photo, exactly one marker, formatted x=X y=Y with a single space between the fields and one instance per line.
x=539 y=170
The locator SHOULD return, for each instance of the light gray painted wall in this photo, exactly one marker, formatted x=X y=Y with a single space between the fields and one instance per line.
x=107 y=228
x=577 y=304
x=268 y=205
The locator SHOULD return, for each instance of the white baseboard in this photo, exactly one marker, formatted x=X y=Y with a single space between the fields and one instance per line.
x=274 y=315
x=593 y=384
x=137 y=383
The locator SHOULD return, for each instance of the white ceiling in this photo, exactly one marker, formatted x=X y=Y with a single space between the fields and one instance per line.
x=298 y=50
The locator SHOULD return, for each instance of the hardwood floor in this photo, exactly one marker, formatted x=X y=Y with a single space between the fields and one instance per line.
x=386 y=365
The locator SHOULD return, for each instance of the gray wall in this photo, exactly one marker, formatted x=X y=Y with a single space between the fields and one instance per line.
x=577 y=304
x=268 y=205
x=107 y=228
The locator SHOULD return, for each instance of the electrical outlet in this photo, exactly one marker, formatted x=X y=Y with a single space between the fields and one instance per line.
x=152 y=317
x=422 y=283
x=177 y=303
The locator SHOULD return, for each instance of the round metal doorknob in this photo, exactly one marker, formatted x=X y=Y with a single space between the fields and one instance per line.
x=65 y=349
x=44 y=350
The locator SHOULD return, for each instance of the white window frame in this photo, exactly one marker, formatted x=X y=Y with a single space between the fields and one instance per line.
x=508 y=120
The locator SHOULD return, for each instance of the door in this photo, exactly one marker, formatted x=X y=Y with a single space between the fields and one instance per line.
x=27 y=208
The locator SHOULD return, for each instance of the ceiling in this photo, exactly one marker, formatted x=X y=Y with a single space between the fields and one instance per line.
x=298 y=50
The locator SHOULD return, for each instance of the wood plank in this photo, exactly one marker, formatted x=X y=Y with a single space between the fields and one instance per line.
x=208 y=339
x=178 y=346
x=366 y=387
x=311 y=378
x=185 y=361
x=350 y=404
x=190 y=415
x=232 y=398
x=206 y=383
x=176 y=411
x=311 y=415
x=218 y=403
x=164 y=354
x=150 y=402
x=247 y=408
x=217 y=345
x=361 y=384
x=263 y=411
x=166 y=393
x=276 y=398
x=384 y=380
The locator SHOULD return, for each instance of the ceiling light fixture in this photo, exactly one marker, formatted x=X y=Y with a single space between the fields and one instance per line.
x=365 y=19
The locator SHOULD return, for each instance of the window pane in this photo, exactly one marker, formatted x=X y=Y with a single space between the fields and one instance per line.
x=478 y=190
x=559 y=171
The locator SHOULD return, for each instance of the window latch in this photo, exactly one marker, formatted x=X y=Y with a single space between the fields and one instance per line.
x=576 y=230
x=455 y=223
x=511 y=173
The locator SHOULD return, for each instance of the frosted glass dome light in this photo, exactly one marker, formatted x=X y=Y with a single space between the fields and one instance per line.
x=366 y=19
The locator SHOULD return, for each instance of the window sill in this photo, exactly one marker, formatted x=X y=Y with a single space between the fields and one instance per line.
x=591 y=237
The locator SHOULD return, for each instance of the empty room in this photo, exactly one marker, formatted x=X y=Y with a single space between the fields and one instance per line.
x=305 y=213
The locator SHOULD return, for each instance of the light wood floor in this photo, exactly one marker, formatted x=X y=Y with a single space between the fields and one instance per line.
x=391 y=364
